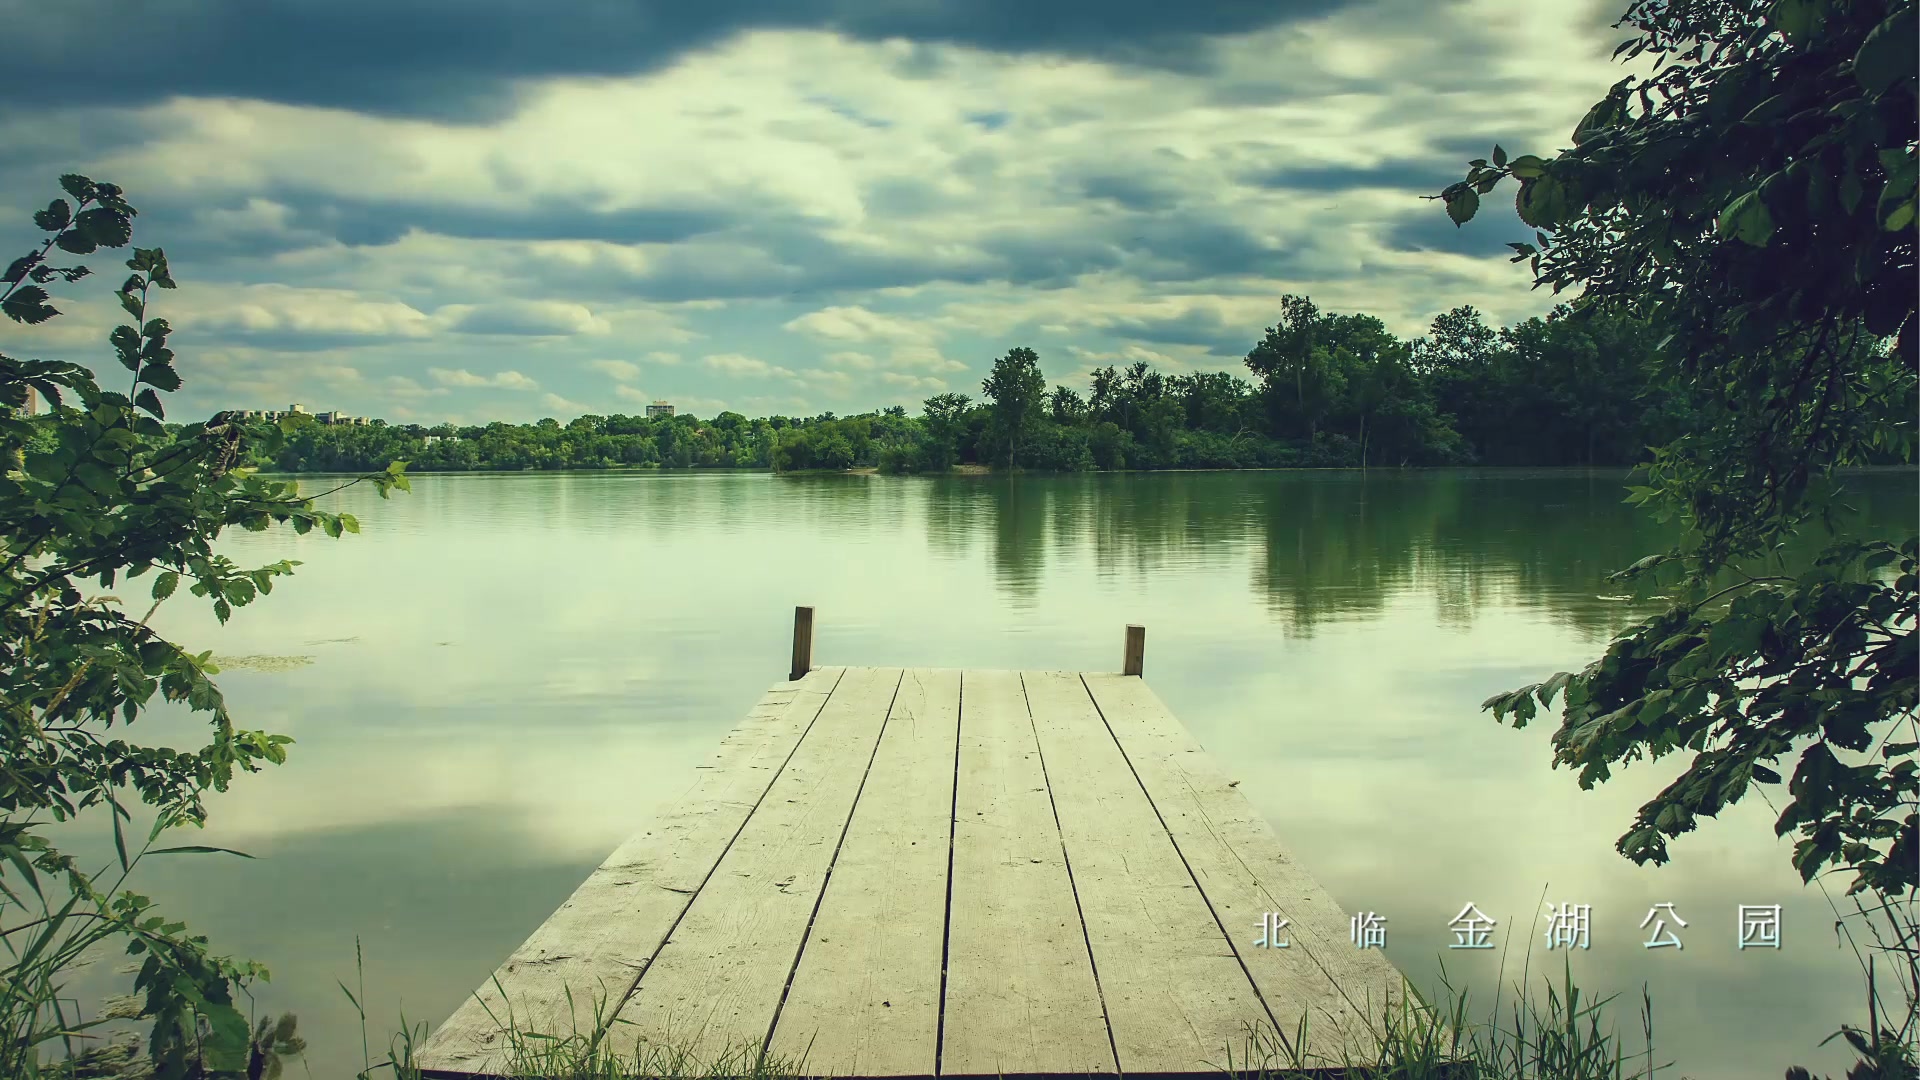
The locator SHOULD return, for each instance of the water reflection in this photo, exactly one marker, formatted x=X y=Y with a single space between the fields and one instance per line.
x=509 y=672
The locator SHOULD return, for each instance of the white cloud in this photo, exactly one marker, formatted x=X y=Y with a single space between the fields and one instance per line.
x=524 y=318
x=914 y=382
x=882 y=249
x=737 y=364
x=559 y=404
x=855 y=323
x=622 y=370
x=273 y=307
x=503 y=380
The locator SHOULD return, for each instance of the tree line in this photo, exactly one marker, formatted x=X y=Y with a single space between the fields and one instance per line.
x=1322 y=389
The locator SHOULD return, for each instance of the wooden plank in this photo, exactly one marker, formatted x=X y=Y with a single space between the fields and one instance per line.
x=713 y=990
x=1021 y=995
x=1133 y=661
x=802 y=642
x=1244 y=872
x=1177 y=999
x=865 y=1000
x=602 y=938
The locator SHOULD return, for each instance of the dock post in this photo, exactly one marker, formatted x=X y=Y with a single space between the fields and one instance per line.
x=802 y=643
x=1136 y=650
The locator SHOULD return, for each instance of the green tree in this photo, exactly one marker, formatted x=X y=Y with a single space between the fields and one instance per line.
x=98 y=493
x=1754 y=197
x=1291 y=363
x=1065 y=406
x=944 y=422
x=1016 y=388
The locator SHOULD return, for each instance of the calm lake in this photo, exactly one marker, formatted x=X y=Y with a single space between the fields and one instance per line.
x=495 y=683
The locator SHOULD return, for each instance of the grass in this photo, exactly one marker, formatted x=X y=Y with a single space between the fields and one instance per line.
x=1565 y=1035
x=1568 y=1034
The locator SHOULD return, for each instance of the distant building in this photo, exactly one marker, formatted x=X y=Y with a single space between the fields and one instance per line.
x=659 y=408
x=297 y=409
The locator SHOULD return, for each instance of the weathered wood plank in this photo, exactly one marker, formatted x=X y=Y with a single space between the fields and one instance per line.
x=865 y=1000
x=1177 y=999
x=1021 y=995
x=1244 y=872
x=713 y=989
x=602 y=938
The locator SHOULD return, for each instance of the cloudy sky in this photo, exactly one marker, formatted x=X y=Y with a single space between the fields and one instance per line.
x=506 y=209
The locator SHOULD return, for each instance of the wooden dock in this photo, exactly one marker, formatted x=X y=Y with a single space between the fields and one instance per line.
x=917 y=873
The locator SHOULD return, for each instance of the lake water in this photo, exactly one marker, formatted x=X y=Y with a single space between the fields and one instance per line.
x=505 y=673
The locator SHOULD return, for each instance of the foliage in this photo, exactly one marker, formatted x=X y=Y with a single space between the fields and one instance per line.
x=1559 y=390
x=1754 y=197
x=1016 y=389
x=98 y=492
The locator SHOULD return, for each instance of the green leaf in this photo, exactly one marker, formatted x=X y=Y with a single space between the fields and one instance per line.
x=164 y=585
x=198 y=849
x=1746 y=219
x=107 y=228
x=148 y=401
x=28 y=304
x=1541 y=202
x=1889 y=52
x=1735 y=635
x=55 y=217
x=96 y=479
x=1527 y=166
x=1895 y=210
x=1499 y=156
x=75 y=242
x=77 y=186
x=1795 y=19
x=161 y=376
x=126 y=345
x=1604 y=113
x=1462 y=204
x=17 y=270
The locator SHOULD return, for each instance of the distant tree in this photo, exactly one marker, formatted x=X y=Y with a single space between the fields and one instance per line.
x=1065 y=406
x=1292 y=364
x=1016 y=388
x=945 y=420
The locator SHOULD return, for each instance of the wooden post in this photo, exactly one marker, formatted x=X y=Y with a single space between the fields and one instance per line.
x=802 y=643
x=1136 y=650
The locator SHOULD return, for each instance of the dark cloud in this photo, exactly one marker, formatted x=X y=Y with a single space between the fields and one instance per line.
x=1129 y=192
x=1200 y=326
x=363 y=222
x=211 y=236
x=1488 y=233
x=1427 y=174
x=463 y=58
x=518 y=320
x=283 y=339
x=1195 y=247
